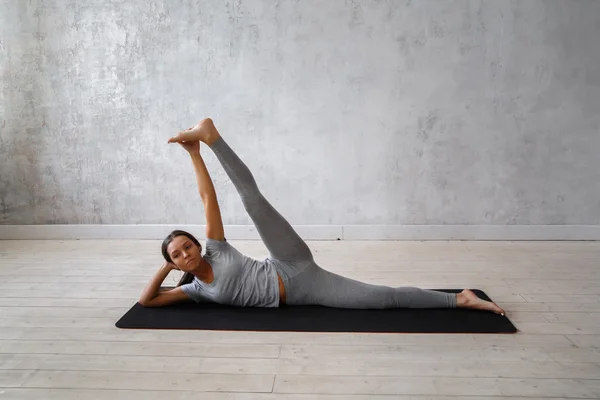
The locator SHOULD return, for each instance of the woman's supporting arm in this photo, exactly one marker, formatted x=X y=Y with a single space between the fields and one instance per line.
x=152 y=298
x=151 y=290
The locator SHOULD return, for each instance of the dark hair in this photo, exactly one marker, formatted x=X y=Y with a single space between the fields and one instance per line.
x=172 y=236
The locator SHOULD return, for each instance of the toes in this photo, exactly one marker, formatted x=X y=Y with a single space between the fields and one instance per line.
x=499 y=310
x=176 y=138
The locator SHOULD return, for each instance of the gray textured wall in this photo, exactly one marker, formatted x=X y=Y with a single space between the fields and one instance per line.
x=373 y=112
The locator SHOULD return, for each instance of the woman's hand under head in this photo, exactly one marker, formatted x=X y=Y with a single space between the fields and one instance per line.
x=168 y=267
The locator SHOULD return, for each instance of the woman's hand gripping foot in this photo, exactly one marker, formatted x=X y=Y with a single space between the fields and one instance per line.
x=204 y=131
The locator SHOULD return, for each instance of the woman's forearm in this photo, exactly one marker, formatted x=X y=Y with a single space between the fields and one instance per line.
x=205 y=184
x=151 y=290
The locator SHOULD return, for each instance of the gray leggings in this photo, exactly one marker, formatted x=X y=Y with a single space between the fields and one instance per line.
x=305 y=282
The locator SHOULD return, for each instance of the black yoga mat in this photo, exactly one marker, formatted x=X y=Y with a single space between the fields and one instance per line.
x=212 y=316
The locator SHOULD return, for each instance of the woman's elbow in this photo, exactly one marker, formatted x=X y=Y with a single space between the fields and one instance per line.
x=145 y=302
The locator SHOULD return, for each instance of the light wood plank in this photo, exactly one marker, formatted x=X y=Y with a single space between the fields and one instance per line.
x=585 y=340
x=64 y=312
x=89 y=278
x=575 y=318
x=45 y=322
x=553 y=307
x=415 y=353
x=73 y=294
x=149 y=381
x=314 y=338
x=556 y=328
x=107 y=394
x=301 y=366
x=556 y=288
x=14 y=378
x=575 y=355
x=434 y=386
x=562 y=298
x=42 y=302
x=133 y=348
x=126 y=275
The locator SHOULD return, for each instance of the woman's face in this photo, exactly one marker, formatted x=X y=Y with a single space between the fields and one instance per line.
x=184 y=253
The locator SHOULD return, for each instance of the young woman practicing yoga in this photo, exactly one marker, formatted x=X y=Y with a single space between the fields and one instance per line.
x=288 y=276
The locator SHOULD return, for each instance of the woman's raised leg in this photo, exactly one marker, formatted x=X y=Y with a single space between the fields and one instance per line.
x=279 y=237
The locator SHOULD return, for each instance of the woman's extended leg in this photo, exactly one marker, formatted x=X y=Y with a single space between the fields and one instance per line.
x=317 y=286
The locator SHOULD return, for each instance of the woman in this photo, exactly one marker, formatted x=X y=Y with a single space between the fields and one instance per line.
x=288 y=276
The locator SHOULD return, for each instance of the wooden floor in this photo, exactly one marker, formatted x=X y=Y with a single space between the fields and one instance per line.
x=59 y=301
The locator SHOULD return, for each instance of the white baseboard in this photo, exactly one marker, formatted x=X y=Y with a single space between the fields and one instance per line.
x=313 y=232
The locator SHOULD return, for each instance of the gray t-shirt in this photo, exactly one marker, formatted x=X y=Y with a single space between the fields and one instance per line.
x=238 y=280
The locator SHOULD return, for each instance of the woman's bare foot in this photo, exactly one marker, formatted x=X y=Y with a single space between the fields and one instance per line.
x=468 y=299
x=204 y=131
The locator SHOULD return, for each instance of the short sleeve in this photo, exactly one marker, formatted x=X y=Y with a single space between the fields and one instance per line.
x=191 y=290
x=216 y=246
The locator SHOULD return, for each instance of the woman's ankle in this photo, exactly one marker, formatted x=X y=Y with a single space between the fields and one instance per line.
x=214 y=136
x=460 y=300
